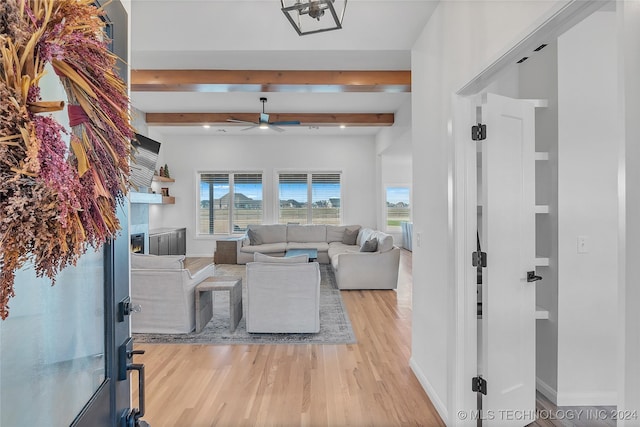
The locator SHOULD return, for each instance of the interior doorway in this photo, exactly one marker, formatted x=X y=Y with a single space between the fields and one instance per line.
x=564 y=245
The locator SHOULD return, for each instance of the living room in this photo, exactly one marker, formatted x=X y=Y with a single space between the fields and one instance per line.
x=367 y=164
x=459 y=41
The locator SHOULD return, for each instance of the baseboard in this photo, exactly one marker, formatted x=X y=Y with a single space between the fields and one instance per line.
x=596 y=398
x=431 y=393
x=547 y=391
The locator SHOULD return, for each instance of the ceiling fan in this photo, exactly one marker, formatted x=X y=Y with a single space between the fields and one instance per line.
x=264 y=123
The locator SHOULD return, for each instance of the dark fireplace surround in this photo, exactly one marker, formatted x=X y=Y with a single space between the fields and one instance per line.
x=137 y=243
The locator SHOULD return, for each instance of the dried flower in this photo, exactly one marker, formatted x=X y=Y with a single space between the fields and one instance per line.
x=55 y=202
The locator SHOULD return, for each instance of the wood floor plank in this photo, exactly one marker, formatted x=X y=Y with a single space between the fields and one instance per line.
x=365 y=384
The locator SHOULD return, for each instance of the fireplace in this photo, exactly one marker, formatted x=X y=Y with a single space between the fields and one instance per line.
x=137 y=243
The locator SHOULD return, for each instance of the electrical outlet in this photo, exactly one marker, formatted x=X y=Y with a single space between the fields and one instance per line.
x=419 y=239
x=583 y=244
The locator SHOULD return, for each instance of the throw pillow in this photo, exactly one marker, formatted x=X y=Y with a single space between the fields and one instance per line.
x=370 y=245
x=254 y=238
x=350 y=236
x=258 y=257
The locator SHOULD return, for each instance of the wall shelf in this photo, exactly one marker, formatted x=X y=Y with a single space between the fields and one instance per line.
x=168 y=200
x=159 y=178
x=542 y=262
x=541 y=313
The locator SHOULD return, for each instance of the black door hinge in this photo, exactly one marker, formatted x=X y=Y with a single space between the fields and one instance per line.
x=478 y=384
x=479 y=259
x=479 y=132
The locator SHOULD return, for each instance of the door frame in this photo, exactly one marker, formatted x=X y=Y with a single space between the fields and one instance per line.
x=112 y=400
x=464 y=188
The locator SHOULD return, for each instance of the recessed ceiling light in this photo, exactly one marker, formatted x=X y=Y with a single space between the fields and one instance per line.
x=206 y=126
x=342 y=126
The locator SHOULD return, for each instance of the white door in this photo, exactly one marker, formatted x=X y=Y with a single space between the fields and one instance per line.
x=508 y=238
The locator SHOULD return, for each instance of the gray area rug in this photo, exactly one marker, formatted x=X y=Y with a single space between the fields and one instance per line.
x=335 y=326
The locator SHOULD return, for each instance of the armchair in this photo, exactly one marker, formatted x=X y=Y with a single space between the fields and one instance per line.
x=165 y=290
x=283 y=297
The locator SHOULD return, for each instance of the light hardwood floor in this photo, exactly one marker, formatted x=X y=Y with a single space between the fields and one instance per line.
x=365 y=384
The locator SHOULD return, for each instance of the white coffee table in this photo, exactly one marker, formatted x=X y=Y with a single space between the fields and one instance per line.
x=204 y=301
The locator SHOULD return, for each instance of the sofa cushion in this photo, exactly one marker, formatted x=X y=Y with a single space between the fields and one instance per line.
x=335 y=233
x=350 y=236
x=337 y=248
x=157 y=262
x=265 y=248
x=254 y=237
x=370 y=245
x=385 y=241
x=306 y=233
x=363 y=235
x=259 y=257
x=273 y=233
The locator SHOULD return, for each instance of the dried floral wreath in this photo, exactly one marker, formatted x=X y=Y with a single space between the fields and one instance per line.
x=55 y=200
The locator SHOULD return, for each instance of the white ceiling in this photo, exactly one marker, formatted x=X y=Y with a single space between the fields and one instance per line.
x=255 y=34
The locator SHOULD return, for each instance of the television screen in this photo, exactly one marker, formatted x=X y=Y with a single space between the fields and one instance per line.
x=145 y=154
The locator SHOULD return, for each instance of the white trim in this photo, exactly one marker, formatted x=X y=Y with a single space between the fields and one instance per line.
x=555 y=22
x=587 y=399
x=464 y=316
x=431 y=392
x=547 y=391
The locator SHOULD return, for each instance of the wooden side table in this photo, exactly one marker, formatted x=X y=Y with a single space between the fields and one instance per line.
x=204 y=301
x=226 y=251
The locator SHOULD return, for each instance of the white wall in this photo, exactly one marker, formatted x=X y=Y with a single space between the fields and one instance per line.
x=460 y=40
x=587 y=206
x=186 y=155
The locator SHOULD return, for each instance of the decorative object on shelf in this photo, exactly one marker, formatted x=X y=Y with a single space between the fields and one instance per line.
x=56 y=201
x=165 y=191
x=161 y=171
x=166 y=171
x=314 y=16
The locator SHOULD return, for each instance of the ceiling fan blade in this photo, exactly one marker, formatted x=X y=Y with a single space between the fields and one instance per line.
x=276 y=128
x=250 y=127
x=286 y=123
x=241 y=121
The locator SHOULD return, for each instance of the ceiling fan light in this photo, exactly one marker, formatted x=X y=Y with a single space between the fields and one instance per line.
x=263 y=126
x=309 y=17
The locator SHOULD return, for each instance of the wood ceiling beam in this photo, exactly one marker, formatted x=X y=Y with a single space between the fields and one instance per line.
x=269 y=81
x=306 y=119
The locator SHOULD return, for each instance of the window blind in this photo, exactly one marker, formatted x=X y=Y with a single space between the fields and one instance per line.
x=325 y=198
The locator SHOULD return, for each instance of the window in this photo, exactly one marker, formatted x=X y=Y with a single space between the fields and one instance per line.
x=228 y=202
x=309 y=198
x=398 y=208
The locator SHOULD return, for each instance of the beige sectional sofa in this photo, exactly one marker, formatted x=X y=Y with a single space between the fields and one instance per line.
x=336 y=245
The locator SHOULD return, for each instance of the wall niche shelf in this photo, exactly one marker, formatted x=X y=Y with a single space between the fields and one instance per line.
x=159 y=178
